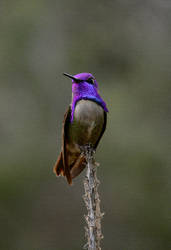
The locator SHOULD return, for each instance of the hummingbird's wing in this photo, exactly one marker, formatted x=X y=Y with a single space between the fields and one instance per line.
x=58 y=168
x=61 y=166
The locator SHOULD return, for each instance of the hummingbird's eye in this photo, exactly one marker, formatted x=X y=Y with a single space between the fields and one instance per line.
x=90 y=80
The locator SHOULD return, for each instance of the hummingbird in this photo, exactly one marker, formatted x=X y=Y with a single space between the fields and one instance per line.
x=84 y=124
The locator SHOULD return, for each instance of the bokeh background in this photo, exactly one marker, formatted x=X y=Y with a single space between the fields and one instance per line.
x=127 y=46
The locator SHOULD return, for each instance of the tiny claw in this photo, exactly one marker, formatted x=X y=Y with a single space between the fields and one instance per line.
x=97 y=164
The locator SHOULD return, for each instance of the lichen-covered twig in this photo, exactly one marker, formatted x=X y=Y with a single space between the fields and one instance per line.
x=92 y=201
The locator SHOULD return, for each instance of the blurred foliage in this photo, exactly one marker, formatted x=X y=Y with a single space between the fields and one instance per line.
x=127 y=46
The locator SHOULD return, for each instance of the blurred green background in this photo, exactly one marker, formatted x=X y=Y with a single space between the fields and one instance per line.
x=127 y=46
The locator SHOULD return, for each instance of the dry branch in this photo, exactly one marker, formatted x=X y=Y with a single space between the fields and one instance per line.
x=92 y=201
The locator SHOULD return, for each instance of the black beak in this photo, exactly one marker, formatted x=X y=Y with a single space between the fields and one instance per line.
x=72 y=77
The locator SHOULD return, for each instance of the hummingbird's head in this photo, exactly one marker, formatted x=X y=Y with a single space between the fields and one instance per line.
x=86 y=80
x=85 y=86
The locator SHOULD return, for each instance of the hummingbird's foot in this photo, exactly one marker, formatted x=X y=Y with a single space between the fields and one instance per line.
x=97 y=164
x=88 y=152
x=87 y=149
